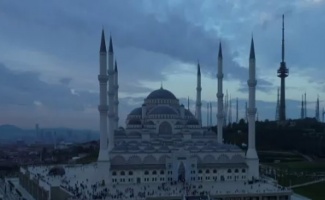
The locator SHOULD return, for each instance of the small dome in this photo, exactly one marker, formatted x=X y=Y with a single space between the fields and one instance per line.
x=136 y=111
x=163 y=110
x=161 y=94
x=192 y=122
x=188 y=113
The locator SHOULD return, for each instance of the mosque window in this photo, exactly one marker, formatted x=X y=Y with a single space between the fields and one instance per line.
x=229 y=170
x=207 y=171
x=162 y=172
x=200 y=171
x=154 y=172
x=114 y=173
x=236 y=170
x=122 y=173
x=146 y=173
x=130 y=173
x=214 y=171
x=243 y=170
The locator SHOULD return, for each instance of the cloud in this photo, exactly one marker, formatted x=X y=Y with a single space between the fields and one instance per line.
x=26 y=88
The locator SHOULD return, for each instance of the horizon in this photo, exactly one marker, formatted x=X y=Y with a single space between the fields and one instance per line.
x=48 y=74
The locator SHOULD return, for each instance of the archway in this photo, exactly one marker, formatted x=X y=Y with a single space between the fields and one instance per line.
x=181 y=172
x=165 y=128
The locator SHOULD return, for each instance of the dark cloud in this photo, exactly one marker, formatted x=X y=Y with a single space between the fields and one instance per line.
x=65 y=81
x=24 y=88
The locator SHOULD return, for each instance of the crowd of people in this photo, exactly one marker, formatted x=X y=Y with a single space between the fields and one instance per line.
x=81 y=185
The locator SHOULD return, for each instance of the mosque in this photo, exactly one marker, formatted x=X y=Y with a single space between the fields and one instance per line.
x=164 y=151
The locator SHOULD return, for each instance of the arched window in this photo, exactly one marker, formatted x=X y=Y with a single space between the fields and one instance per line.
x=122 y=173
x=146 y=172
x=114 y=173
x=154 y=172
x=130 y=173
x=229 y=170
x=207 y=171
x=236 y=170
x=243 y=170
x=214 y=171
x=162 y=172
x=165 y=128
x=200 y=171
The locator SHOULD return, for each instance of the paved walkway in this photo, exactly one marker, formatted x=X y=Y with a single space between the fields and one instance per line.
x=12 y=195
x=308 y=183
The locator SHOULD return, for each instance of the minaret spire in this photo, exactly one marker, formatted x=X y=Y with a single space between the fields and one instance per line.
x=252 y=50
x=110 y=45
x=102 y=43
x=251 y=154
x=302 y=112
x=111 y=96
x=317 y=109
x=198 y=112
x=237 y=110
x=220 y=114
x=103 y=155
x=116 y=101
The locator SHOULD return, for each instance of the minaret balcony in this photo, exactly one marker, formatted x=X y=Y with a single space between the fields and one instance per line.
x=252 y=83
x=220 y=76
x=220 y=95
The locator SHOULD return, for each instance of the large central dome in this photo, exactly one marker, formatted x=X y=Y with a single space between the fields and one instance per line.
x=161 y=94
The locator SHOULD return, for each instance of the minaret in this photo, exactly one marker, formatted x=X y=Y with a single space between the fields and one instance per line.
x=237 y=110
x=323 y=112
x=198 y=95
x=277 y=106
x=103 y=107
x=230 y=111
x=211 y=124
x=116 y=101
x=188 y=103
x=208 y=113
x=283 y=72
x=317 y=109
x=220 y=114
x=302 y=112
x=225 y=109
x=251 y=155
x=305 y=107
x=111 y=94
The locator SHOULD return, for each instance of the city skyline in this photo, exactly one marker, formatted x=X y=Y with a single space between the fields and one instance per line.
x=49 y=56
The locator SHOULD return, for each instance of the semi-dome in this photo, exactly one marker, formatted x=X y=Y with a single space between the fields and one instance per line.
x=161 y=94
x=136 y=111
x=163 y=110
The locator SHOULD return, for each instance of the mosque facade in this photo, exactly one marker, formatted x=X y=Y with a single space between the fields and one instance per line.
x=164 y=141
x=163 y=151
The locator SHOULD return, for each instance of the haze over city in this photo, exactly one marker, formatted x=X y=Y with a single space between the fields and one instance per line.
x=49 y=55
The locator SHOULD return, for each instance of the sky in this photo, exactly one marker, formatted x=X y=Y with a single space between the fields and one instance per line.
x=49 y=55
